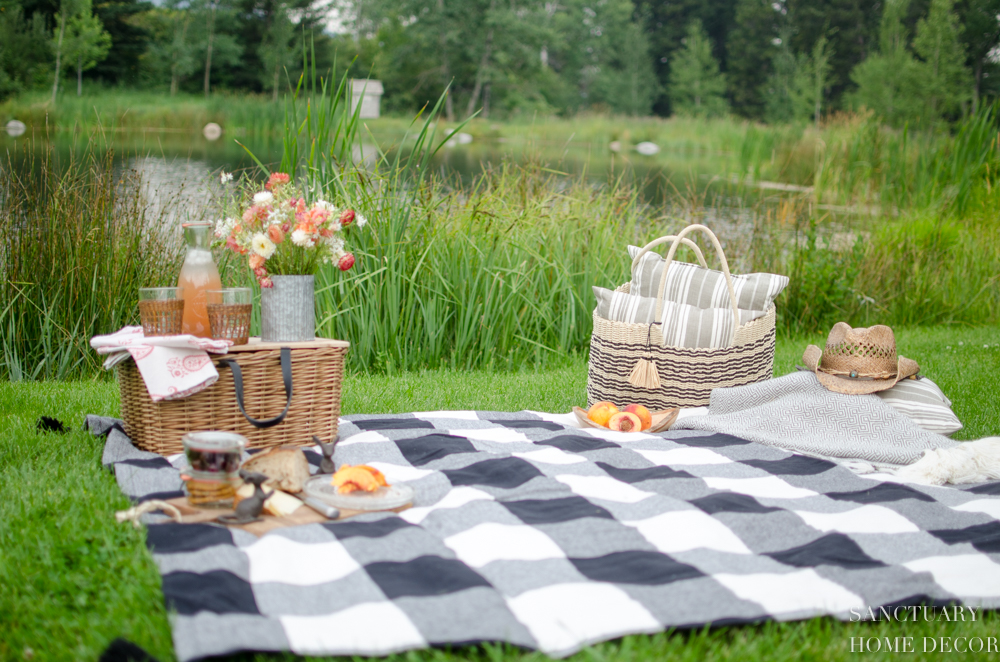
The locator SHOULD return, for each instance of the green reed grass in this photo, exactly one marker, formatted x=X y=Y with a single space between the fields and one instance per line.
x=79 y=240
x=497 y=273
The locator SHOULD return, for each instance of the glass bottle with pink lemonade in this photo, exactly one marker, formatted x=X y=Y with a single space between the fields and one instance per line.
x=198 y=274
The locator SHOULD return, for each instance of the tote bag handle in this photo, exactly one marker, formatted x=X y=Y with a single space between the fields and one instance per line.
x=677 y=240
x=662 y=240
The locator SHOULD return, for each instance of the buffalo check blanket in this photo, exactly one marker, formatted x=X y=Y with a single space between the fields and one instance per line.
x=530 y=531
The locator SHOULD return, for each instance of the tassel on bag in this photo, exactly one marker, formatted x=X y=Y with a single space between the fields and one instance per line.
x=644 y=375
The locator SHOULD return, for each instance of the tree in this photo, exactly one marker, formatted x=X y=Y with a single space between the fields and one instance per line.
x=666 y=23
x=750 y=51
x=275 y=50
x=779 y=104
x=24 y=56
x=697 y=88
x=981 y=35
x=850 y=28
x=946 y=81
x=888 y=81
x=812 y=82
x=213 y=40
x=129 y=41
x=625 y=79
x=87 y=42
x=68 y=9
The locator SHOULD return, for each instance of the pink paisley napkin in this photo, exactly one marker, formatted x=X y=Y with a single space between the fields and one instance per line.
x=172 y=367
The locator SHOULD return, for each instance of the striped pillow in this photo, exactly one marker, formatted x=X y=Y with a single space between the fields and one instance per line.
x=924 y=403
x=705 y=288
x=683 y=325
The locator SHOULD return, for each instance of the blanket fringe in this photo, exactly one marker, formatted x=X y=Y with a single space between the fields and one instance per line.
x=971 y=462
x=644 y=375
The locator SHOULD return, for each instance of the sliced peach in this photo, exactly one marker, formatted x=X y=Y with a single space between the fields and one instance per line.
x=379 y=476
x=645 y=417
x=601 y=412
x=625 y=421
x=352 y=479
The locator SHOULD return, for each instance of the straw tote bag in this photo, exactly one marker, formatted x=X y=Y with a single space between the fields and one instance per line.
x=630 y=364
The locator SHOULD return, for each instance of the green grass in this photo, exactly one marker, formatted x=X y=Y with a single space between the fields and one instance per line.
x=73 y=579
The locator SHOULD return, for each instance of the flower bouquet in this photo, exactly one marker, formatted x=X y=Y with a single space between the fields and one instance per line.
x=282 y=235
x=285 y=241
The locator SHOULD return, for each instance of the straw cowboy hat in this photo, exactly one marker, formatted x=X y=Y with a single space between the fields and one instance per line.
x=859 y=361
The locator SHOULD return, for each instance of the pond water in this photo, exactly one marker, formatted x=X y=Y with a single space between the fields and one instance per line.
x=180 y=172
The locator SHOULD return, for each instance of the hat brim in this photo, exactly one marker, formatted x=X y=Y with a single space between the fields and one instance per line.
x=856 y=386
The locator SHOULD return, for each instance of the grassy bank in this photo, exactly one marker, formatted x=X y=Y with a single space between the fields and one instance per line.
x=74 y=579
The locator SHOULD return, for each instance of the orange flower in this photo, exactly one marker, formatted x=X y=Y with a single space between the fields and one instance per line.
x=257 y=261
x=275 y=234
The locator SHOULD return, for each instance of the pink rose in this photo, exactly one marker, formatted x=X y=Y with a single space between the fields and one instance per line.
x=266 y=283
x=346 y=262
x=275 y=234
x=347 y=217
x=257 y=261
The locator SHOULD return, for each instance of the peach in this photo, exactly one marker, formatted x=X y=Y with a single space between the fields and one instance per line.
x=601 y=412
x=645 y=417
x=625 y=421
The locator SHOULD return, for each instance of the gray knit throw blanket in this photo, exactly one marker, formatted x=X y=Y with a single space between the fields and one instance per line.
x=797 y=413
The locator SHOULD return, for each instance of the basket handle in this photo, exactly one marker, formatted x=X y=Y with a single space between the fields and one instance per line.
x=286 y=377
x=725 y=270
x=662 y=240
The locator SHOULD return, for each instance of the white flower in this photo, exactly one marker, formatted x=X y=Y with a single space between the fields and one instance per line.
x=226 y=177
x=323 y=204
x=262 y=246
x=360 y=220
x=278 y=215
x=303 y=238
x=263 y=198
x=224 y=226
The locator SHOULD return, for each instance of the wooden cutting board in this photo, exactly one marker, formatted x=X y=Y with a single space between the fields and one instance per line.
x=302 y=515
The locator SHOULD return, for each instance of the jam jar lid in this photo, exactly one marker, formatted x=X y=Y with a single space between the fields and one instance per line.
x=214 y=440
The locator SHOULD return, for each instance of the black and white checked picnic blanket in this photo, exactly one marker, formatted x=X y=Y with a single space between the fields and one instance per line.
x=529 y=531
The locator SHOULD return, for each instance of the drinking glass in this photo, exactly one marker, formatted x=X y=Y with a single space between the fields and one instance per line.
x=161 y=310
x=229 y=311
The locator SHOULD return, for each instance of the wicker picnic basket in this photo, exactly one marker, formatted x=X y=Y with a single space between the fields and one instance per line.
x=684 y=376
x=278 y=394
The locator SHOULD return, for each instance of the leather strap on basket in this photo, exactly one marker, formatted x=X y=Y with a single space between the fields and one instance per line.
x=286 y=377
x=725 y=270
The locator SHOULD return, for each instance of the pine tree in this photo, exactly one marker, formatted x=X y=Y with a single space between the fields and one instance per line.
x=946 y=80
x=888 y=81
x=750 y=50
x=697 y=87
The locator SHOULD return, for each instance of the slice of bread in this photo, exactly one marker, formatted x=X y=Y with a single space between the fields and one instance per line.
x=286 y=468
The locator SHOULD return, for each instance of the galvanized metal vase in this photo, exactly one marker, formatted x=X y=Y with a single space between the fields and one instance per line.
x=288 y=310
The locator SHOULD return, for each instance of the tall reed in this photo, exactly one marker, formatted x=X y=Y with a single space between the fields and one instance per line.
x=78 y=243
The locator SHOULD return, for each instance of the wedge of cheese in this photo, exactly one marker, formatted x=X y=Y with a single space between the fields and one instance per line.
x=279 y=504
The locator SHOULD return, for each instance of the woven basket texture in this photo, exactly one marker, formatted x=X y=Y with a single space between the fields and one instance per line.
x=317 y=376
x=161 y=318
x=230 y=321
x=687 y=375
